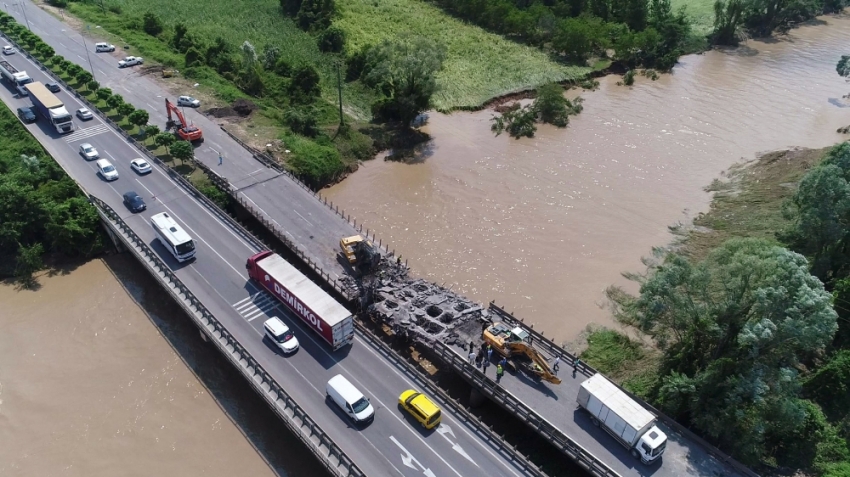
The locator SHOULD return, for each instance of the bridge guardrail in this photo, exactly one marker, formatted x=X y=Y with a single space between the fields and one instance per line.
x=485 y=433
x=333 y=458
x=521 y=411
x=567 y=357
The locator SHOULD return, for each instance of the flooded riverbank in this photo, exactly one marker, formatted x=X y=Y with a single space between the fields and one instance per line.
x=544 y=225
x=102 y=376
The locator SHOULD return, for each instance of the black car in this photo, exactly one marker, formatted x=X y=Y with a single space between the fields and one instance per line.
x=27 y=115
x=53 y=87
x=134 y=202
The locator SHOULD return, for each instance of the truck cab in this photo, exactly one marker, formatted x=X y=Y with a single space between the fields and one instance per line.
x=651 y=445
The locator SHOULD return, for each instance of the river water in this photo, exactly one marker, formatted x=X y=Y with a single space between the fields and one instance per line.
x=544 y=225
x=102 y=376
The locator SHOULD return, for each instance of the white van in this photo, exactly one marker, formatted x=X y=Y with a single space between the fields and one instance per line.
x=350 y=400
x=281 y=335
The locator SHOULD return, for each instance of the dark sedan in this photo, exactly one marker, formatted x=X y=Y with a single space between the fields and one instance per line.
x=134 y=202
x=27 y=115
x=53 y=87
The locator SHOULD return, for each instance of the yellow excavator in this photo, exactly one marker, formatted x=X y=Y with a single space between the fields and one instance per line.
x=362 y=255
x=512 y=343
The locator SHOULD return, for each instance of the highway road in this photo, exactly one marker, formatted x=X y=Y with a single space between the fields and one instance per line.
x=305 y=220
x=392 y=445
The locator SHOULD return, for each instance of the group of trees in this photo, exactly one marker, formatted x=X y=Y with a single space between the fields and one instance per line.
x=550 y=106
x=756 y=337
x=41 y=209
x=644 y=33
x=762 y=17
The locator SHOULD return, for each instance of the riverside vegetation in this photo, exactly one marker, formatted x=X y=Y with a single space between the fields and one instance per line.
x=42 y=211
x=748 y=318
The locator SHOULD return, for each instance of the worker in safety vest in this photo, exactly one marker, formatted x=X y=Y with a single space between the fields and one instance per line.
x=499 y=372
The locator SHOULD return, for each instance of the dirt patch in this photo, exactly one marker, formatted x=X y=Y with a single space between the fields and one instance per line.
x=241 y=108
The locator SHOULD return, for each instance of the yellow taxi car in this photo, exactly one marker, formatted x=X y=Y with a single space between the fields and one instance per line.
x=421 y=408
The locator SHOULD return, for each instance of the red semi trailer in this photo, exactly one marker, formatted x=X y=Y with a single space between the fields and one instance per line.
x=320 y=311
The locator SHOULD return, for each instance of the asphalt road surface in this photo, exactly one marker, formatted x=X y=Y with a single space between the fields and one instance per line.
x=307 y=222
x=391 y=445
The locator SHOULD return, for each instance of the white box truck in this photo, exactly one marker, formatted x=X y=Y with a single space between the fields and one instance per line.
x=629 y=422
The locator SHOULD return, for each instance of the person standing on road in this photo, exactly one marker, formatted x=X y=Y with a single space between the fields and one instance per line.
x=499 y=372
x=489 y=353
x=556 y=363
x=576 y=363
x=472 y=357
x=220 y=159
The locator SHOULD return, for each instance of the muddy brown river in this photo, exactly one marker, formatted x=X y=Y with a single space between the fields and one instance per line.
x=544 y=225
x=99 y=376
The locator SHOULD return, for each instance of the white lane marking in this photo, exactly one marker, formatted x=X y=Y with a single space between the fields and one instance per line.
x=408 y=459
x=302 y=217
x=101 y=72
x=87 y=132
x=243 y=300
x=81 y=58
x=444 y=429
x=195 y=234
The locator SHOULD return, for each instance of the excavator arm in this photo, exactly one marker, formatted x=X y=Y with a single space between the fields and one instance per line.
x=538 y=365
x=184 y=130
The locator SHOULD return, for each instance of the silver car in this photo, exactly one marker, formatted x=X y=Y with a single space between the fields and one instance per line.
x=188 y=102
x=106 y=170
x=88 y=151
x=84 y=114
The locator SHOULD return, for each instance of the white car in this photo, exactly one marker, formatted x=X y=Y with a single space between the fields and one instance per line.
x=99 y=47
x=140 y=165
x=84 y=114
x=188 y=101
x=131 y=61
x=281 y=335
x=8 y=50
x=106 y=170
x=88 y=151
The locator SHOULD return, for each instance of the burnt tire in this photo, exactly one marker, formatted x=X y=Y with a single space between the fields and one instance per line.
x=635 y=454
x=595 y=421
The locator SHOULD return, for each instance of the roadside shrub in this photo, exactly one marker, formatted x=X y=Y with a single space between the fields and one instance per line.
x=315 y=15
x=116 y=9
x=302 y=121
x=193 y=57
x=282 y=67
x=305 y=85
x=316 y=164
x=59 y=3
x=151 y=24
x=332 y=40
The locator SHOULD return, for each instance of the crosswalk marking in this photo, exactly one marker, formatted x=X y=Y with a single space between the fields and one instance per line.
x=87 y=132
x=255 y=306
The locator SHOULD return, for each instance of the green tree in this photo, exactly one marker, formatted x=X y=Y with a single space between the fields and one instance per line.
x=152 y=24
x=518 y=122
x=151 y=130
x=290 y=7
x=104 y=93
x=302 y=120
x=125 y=109
x=193 y=58
x=331 y=40
x=46 y=51
x=315 y=15
x=73 y=69
x=114 y=101
x=183 y=150
x=728 y=18
x=271 y=54
x=819 y=212
x=138 y=117
x=28 y=263
x=734 y=329
x=404 y=71
x=165 y=139
x=93 y=86
x=843 y=66
x=57 y=60
x=829 y=386
x=83 y=77
x=304 y=87
x=552 y=106
x=579 y=38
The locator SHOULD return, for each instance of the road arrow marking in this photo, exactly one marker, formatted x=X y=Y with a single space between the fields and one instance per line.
x=408 y=459
x=443 y=430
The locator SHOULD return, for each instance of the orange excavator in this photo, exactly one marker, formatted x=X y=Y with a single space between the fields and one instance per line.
x=513 y=344
x=183 y=130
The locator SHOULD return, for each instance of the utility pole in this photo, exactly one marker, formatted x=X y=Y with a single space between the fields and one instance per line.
x=339 y=88
x=91 y=68
x=23 y=9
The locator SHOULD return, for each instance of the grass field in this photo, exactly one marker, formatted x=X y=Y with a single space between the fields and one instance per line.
x=700 y=11
x=479 y=65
